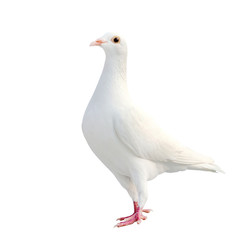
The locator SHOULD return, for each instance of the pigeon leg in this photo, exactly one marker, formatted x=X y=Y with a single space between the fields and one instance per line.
x=143 y=210
x=137 y=216
x=135 y=211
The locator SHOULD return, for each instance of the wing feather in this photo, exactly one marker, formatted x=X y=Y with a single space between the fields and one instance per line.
x=146 y=140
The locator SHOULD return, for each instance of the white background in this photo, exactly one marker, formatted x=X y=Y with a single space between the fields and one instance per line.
x=181 y=69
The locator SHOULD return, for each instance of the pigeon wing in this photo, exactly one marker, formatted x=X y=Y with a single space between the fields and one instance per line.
x=146 y=140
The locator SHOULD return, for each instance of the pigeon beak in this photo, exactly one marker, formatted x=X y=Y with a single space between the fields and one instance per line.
x=98 y=42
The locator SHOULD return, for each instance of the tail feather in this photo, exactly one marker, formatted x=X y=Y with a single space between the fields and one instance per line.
x=206 y=167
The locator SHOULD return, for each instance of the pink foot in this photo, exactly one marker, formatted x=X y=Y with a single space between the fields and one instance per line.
x=137 y=216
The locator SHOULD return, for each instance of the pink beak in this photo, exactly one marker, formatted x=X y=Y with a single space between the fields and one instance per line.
x=97 y=42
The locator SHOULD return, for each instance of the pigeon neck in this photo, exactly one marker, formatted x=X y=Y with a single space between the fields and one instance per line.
x=115 y=66
x=113 y=82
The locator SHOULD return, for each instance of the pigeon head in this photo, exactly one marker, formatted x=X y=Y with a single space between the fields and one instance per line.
x=112 y=44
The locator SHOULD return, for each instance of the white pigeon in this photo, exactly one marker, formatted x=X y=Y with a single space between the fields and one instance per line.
x=130 y=144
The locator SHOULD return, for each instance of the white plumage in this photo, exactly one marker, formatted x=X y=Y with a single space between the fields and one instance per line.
x=127 y=141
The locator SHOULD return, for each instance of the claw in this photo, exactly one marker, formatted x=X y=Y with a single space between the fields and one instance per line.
x=123 y=218
x=147 y=210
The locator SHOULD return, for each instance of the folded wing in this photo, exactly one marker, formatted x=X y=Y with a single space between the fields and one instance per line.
x=146 y=140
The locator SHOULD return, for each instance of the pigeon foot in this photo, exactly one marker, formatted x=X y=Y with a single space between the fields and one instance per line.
x=137 y=216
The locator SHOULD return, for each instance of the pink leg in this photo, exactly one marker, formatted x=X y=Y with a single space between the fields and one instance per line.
x=137 y=216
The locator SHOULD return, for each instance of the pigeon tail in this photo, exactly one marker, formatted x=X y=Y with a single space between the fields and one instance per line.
x=212 y=167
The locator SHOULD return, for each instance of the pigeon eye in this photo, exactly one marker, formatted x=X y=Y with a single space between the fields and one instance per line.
x=115 y=39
